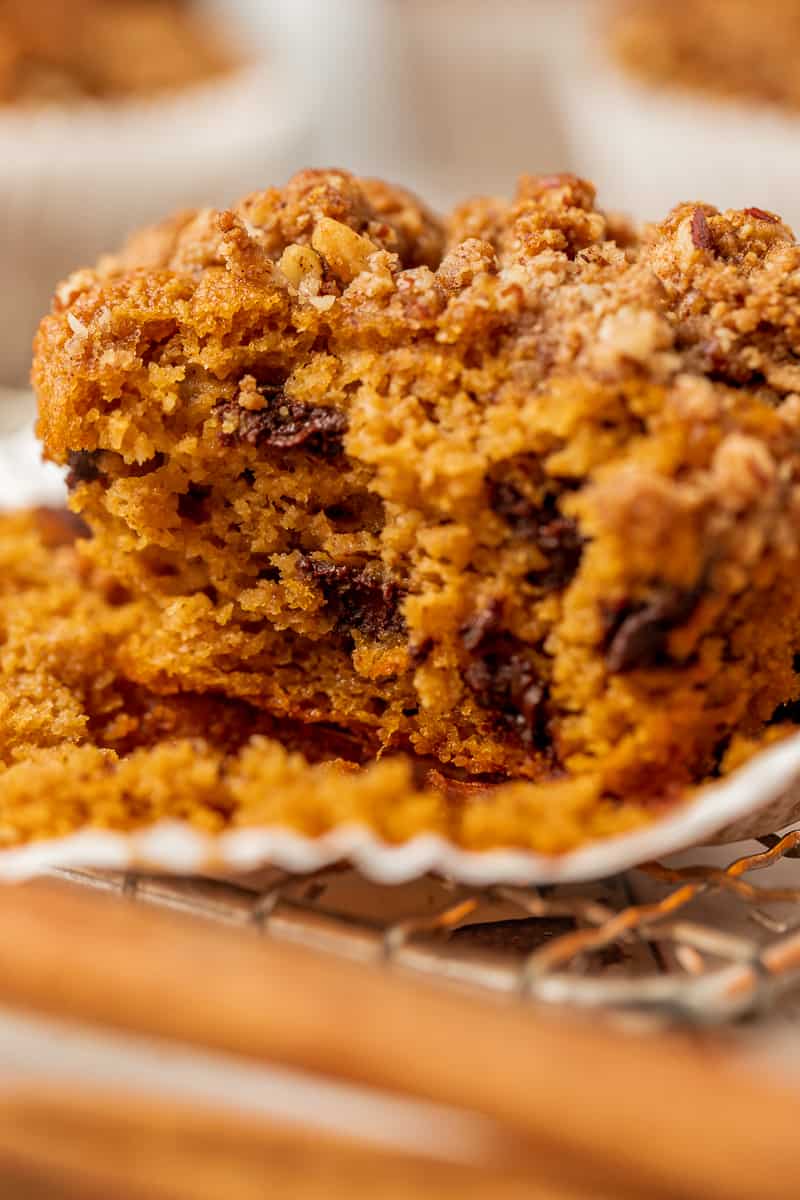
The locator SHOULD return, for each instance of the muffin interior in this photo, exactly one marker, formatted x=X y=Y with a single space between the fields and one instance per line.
x=517 y=492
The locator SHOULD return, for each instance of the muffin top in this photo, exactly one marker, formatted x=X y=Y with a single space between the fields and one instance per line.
x=564 y=286
x=57 y=52
x=492 y=486
x=730 y=47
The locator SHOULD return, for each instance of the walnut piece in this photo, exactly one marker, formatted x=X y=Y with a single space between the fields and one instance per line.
x=346 y=252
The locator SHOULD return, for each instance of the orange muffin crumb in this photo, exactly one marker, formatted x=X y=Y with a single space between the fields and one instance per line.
x=81 y=745
x=518 y=492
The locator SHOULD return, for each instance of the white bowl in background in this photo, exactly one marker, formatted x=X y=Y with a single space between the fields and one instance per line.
x=76 y=180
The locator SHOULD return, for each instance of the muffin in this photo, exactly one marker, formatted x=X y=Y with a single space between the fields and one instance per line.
x=732 y=48
x=112 y=114
x=56 y=52
x=517 y=493
x=680 y=98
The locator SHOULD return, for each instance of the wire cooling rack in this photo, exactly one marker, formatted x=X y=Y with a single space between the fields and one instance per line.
x=695 y=945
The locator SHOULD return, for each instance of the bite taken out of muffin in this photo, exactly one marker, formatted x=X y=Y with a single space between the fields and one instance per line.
x=513 y=495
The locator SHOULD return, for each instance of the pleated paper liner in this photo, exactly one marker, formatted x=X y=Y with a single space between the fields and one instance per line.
x=761 y=797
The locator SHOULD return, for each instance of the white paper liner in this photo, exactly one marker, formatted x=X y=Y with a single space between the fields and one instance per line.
x=76 y=180
x=649 y=148
x=761 y=797
x=24 y=478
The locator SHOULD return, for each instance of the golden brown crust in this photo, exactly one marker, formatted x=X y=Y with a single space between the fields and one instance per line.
x=524 y=498
x=730 y=47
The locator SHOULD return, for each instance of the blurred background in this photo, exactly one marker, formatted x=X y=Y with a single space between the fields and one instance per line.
x=116 y=112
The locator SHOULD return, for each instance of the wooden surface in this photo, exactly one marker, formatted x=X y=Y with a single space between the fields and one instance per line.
x=647 y=1117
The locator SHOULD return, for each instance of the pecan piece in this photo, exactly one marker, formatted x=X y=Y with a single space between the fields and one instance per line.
x=702 y=237
x=761 y=215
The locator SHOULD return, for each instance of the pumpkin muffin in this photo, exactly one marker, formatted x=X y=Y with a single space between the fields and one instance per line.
x=517 y=492
x=52 y=51
x=733 y=48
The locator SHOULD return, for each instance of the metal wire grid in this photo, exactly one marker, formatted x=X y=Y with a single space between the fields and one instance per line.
x=593 y=946
x=598 y=946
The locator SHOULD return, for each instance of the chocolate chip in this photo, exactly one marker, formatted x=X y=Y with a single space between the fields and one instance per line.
x=358 y=597
x=287 y=425
x=503 y=678
x=702 y=237
x=83 y=467
x=561 y=542
x=507 y=685
x=786 y=713
x=637 y=635
x=192 y=505
x=508 y=501
x=761 y=215
x=555 y=535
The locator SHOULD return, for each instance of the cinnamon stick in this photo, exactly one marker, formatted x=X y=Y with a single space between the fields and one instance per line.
x=648 y=1116
x=95 y=1145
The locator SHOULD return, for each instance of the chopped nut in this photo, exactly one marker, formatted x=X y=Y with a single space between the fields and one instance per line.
x=630 y=333
x=71 y=288
x=77 y=326
x=760 y=214
x=743 y=470
x=298 y=262
x=346 y=252
x=323 y=303
x=702 y=236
